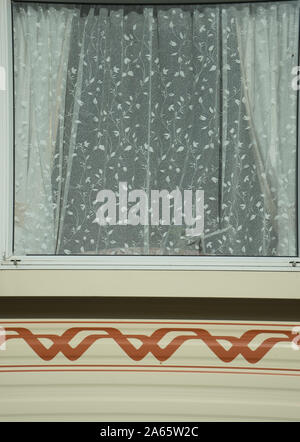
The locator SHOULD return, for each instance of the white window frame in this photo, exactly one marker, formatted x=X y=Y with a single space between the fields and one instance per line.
x=9 y=261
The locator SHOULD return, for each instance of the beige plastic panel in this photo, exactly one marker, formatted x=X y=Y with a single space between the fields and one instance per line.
x=149 y=371
x=152 y=283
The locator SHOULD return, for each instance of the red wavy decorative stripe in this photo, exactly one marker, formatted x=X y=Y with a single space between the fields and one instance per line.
x=239 y=345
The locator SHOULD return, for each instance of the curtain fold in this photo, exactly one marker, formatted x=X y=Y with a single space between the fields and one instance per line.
x=162 y=98
x=41 y=51
x=271 y=37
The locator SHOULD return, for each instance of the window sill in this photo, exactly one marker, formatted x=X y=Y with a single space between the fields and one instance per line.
x=203 y=263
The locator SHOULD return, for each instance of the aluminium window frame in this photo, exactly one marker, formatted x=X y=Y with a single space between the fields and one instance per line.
x=9 y=261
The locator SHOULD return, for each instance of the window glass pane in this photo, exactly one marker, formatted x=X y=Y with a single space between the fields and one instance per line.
x=124 y=114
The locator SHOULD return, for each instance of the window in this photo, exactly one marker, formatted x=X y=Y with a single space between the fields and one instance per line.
x=123 y=114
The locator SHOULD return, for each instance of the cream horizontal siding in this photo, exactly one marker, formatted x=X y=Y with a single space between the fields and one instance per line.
x=192 y=384
x=147 y=397
x=150 y=283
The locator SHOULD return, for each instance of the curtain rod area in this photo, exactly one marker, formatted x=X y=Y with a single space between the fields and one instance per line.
x=147 y=2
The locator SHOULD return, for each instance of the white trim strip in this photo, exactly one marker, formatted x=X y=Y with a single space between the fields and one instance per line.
x=6 y=131
x=152 y=263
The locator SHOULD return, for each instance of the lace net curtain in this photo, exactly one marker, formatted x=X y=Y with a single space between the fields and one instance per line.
x=187 y=97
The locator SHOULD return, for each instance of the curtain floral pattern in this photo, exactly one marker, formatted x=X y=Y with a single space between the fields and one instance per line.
x=165 y=97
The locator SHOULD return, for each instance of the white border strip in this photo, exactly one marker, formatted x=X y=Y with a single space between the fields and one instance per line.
x=151 y=263
x=6 y=132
